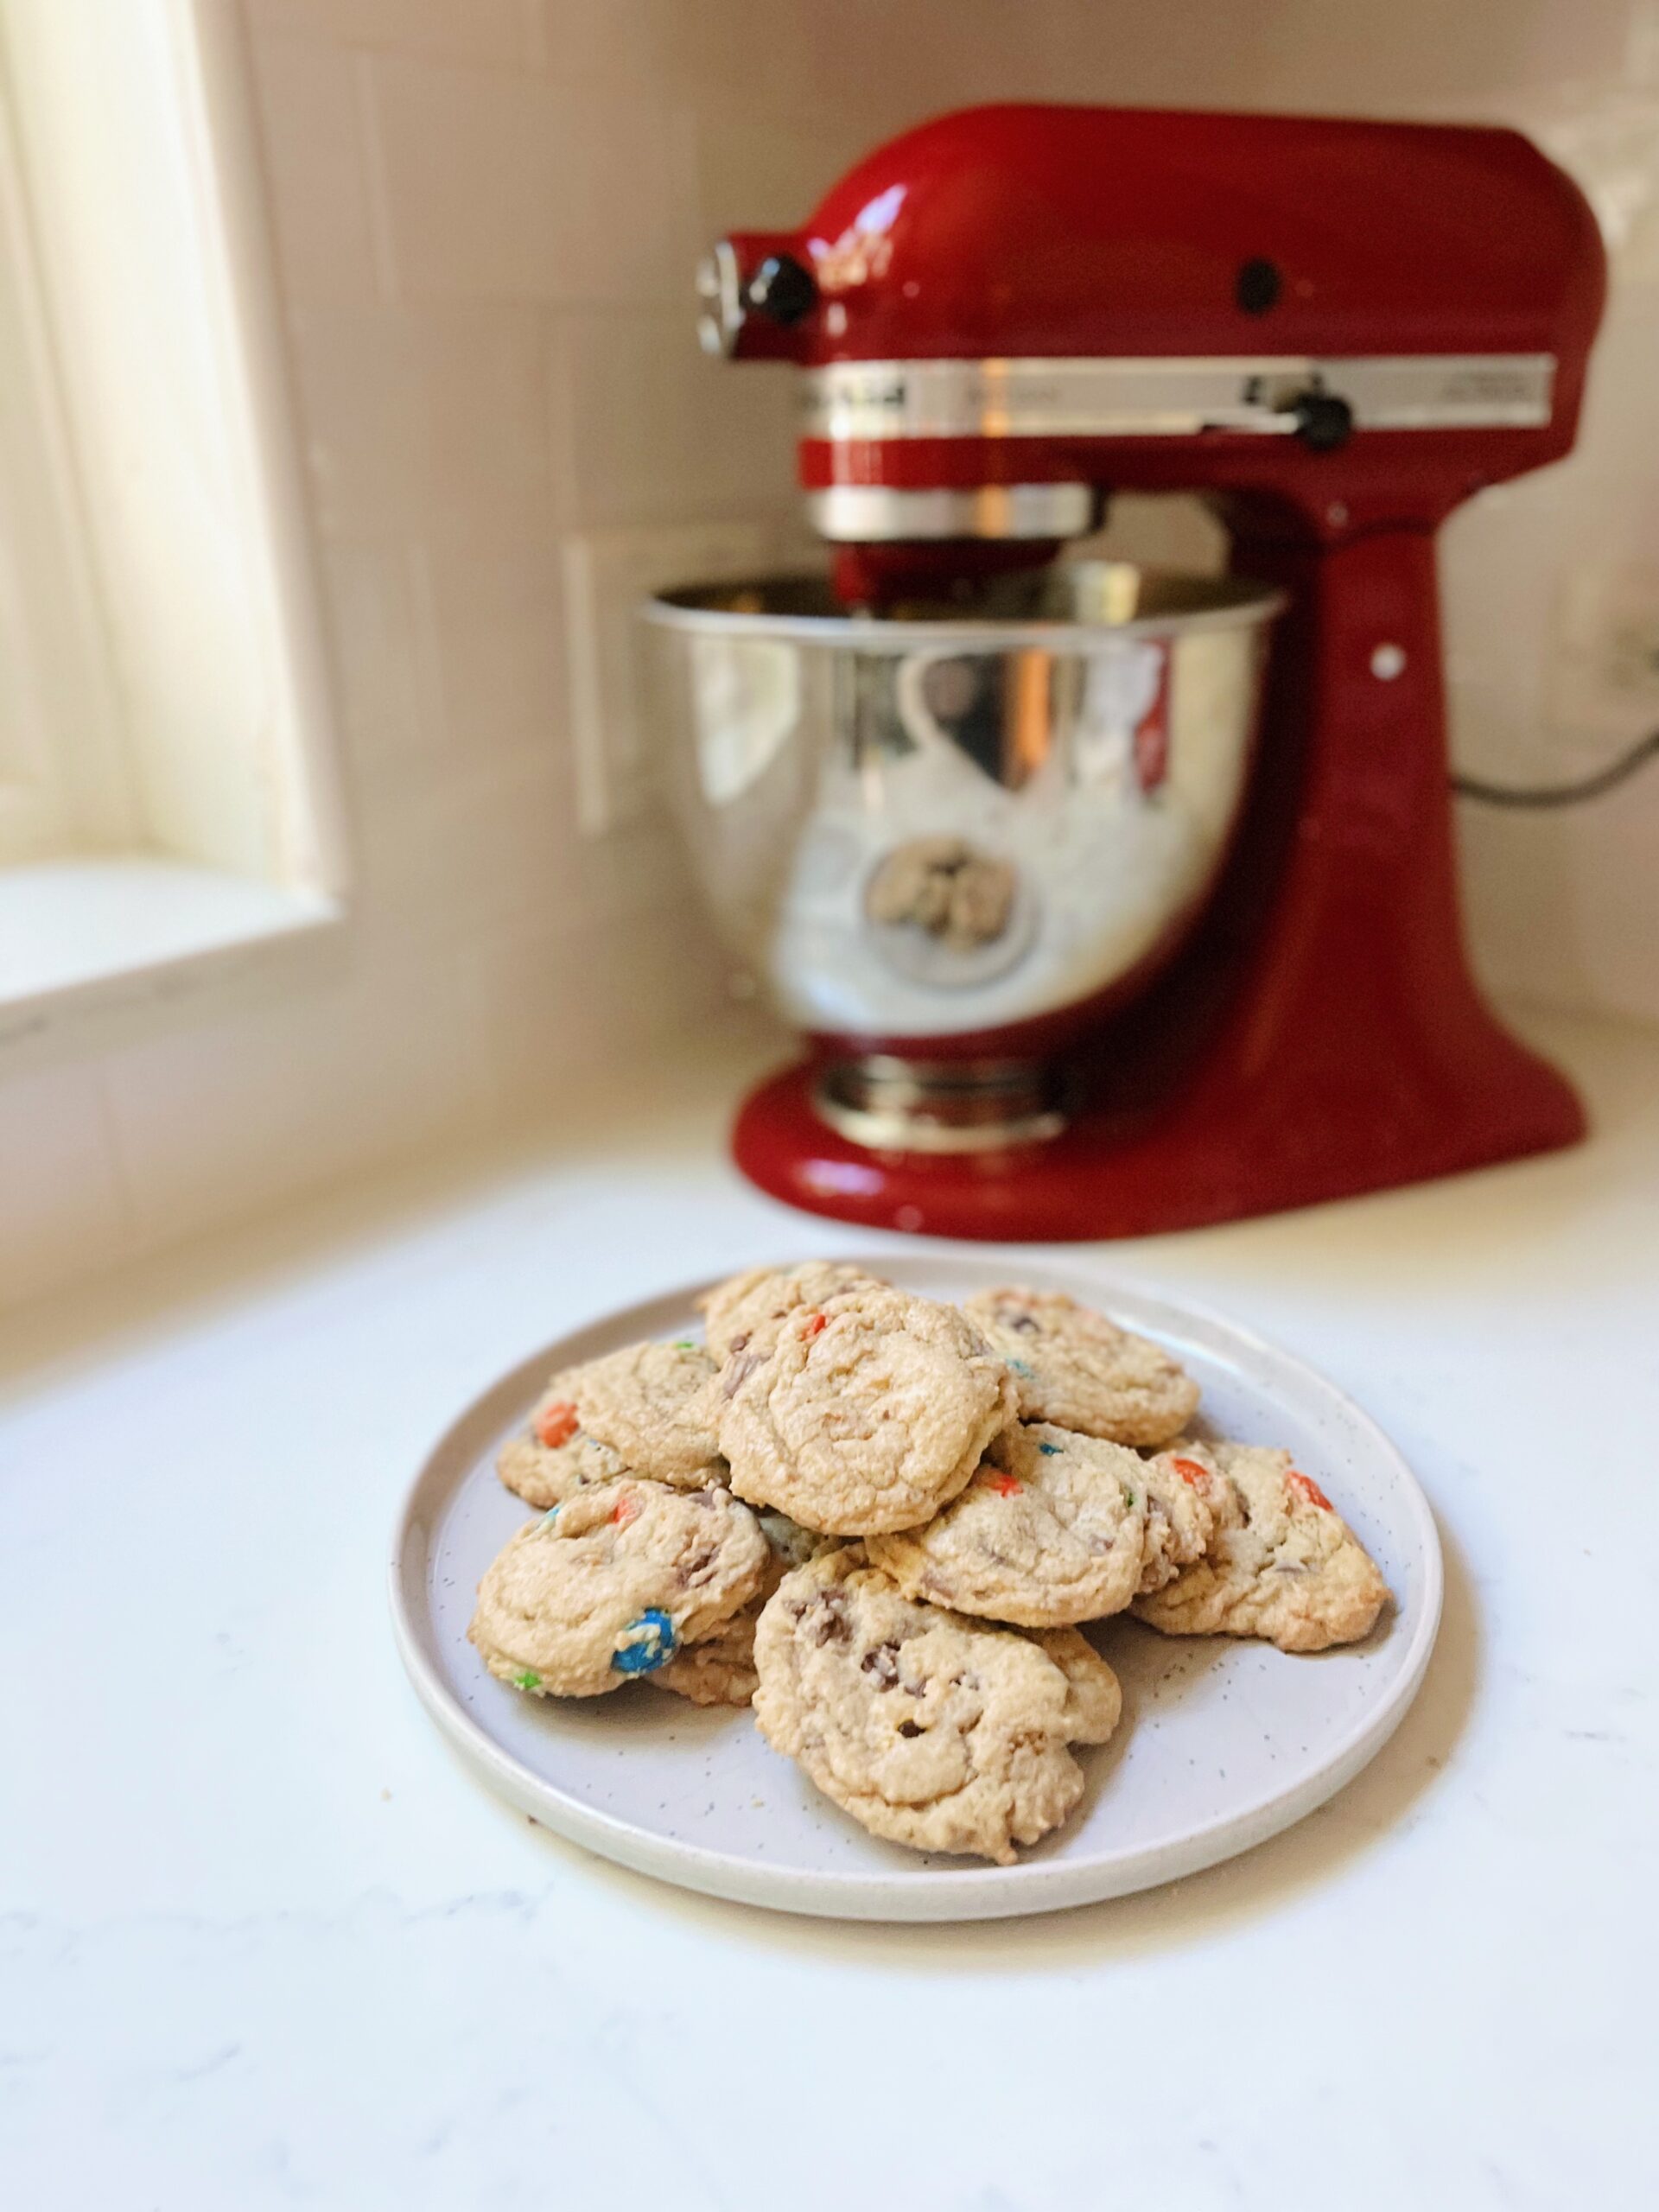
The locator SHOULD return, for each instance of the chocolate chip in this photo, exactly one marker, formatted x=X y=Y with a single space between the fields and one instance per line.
x=699 y=1563
x=737 y=1372
x=832 y=1625
x=883 y=1663
x=909 y=1728
x=1026 y=1321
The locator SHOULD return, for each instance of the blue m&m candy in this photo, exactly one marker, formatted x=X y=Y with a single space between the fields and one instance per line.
x=646 y=1644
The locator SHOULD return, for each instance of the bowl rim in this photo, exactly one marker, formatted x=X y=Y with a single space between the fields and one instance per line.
x=1240 y=602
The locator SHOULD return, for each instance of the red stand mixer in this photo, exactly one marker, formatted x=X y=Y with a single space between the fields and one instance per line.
x=1336 y=331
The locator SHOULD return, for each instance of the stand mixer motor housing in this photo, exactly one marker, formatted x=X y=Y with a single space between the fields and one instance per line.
x=1337 y=331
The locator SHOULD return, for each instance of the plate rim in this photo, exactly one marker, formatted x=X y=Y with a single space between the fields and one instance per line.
x=968 y=1892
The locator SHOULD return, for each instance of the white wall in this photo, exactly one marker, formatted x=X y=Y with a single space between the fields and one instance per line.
x=487 y=213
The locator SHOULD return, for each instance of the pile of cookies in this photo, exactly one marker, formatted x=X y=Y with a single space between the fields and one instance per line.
x=881 y=1520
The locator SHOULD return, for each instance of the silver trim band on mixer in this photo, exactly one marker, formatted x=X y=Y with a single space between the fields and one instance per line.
x=889 y=1104
x=855 y=402
x=865 y=514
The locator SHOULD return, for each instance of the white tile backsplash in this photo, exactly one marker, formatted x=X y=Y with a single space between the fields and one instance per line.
x=496 y=627
x=387 y=680
x=456 y=30
x=318 y=168
x=659 y=432
x=432 y=421
x=758 y=50
x=486 y=214
x=475 y=845
x=380 y=1063
x=760 y=173
x=619 y=170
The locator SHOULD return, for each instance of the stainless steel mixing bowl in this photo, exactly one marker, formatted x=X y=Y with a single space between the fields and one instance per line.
x=930 y=833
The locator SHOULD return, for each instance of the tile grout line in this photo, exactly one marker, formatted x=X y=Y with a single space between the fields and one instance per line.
x=434 y=707
x=382 y=235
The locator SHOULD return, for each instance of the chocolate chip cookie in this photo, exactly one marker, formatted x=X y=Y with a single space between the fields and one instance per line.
x=1073 y=1366
x=749 y=1307
x=556 y=1456
x=931 y=1729
x=1093 y=1698
x=1052 y=1530
x=1281 y=1564
x=646 y=1402
x=612 y=1583
x=1181 y=1491
x=867 y=1412
x=719 y=1669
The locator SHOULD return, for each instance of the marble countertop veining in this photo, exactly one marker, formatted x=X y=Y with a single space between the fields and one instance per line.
x=264 y=1943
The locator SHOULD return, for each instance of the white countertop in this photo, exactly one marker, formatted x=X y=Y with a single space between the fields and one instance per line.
x=263 y=1941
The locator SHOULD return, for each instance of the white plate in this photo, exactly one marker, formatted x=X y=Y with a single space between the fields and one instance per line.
x=1223 y=1743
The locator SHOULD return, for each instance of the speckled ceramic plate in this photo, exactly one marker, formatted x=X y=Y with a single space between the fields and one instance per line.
x=1223 y=1743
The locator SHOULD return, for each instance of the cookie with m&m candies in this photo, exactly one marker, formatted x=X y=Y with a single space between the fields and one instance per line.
x=553 y=1456
x=1072 y=1366
x=1281 y=1563
x=719 y=1669
x=604 y=1588
x=632 y=1411
x=1052 y=1531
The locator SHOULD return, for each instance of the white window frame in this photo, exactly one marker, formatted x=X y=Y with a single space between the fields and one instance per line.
x=63 y=774
x=136 y=457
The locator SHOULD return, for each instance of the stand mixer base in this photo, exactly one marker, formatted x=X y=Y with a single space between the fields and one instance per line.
x=882 y=1103
x=1212 y=1160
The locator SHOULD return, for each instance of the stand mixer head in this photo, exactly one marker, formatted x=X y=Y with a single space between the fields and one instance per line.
x=1336 y=331
x=1009 y=312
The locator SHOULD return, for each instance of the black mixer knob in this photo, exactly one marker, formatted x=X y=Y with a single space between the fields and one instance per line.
x=1258 y=284
x=782 y=289
x=1323 y=420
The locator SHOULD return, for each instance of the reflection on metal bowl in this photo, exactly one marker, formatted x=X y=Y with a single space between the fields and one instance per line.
x=947 y=821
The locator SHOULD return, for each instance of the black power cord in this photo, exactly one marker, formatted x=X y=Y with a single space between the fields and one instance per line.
x=1605 y=779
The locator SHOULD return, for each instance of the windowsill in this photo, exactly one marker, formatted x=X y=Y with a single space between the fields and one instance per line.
x=76 y=935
